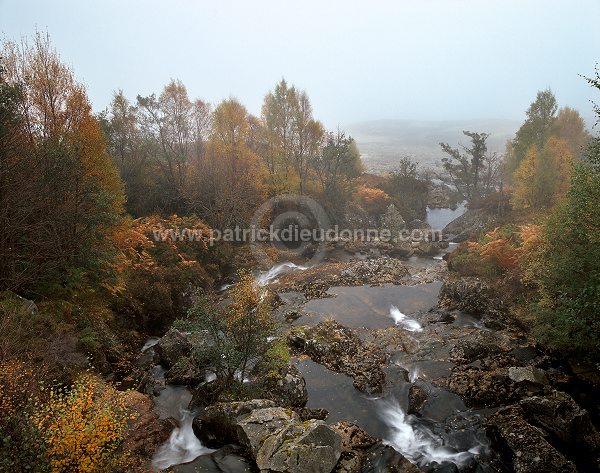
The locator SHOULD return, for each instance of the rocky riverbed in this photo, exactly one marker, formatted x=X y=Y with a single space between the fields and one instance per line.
x=396 y=367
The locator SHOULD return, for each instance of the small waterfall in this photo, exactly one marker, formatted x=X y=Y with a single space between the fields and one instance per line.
x=400 y=319
x=150 y=343
x=419 y=444
x=183 y=446
x=267 y=276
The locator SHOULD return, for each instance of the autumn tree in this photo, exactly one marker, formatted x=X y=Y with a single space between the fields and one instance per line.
x=62 y=235
x=293 y=138
x=543 y=176
x=535 y=130
x=226 y=185
x=570 y=127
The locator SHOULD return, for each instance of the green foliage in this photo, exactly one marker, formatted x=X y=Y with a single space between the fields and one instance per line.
x=236 y=336
x=472 y=171
x=275 y=360
x=570 y=279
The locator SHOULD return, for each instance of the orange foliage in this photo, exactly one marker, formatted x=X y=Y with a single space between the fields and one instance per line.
x=80 y=429
x=371 y=199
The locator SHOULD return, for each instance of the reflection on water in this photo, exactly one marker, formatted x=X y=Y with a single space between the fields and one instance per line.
x=335 y=392
x=439 y=218
x=366 y=306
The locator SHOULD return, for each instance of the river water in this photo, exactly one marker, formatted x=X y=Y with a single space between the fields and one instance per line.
x=426 y=439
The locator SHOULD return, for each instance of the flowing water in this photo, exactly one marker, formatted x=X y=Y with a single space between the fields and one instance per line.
x=183 y=446
x=272 y=273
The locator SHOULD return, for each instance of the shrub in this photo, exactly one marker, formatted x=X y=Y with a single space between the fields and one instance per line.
x=80 y=429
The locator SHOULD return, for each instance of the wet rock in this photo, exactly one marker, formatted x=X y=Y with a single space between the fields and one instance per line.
x=382 y=457
x=310 y=446
x=228 y=459
x=468 y=350
x=314 y=282
x=340 y=349
x=469 y=225
x=527 y=374
x=524 y=446
x=152 y=382
x=173 y=346
x=307 y=413
x=558 y=414
x=355 y=445
x=470 y=295
x=185 y=371
x=216 y=426
x=417 y=396
x=147 y=431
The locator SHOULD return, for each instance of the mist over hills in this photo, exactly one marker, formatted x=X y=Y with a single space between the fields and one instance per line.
x=383 y=142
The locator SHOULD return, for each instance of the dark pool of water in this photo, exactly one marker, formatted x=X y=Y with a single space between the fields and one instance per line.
x=366 y=306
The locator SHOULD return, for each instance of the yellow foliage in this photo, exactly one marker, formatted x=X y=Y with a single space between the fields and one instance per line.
x=81 y=428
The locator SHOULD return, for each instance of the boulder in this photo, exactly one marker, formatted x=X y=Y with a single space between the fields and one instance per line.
x=527 y=374
x=186 y=371
x=173 y=346
x=381 y=457
x=470 y=225
x=417 y=396
x=559 y=415
x=228 y=459
x=470 y=295
x=216 y=426
x=310 y=446
x=355 y=444
x=286 y=386
x=522 y=445
x=256 y=427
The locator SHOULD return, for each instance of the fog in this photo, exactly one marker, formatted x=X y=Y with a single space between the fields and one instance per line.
x=359 y=61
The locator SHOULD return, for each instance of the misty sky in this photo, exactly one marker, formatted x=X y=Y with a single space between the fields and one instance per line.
x=358 y=60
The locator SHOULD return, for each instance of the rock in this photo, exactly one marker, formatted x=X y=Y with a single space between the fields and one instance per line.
x=307 y=413
x=468 y=350
x=152 y=382
x=523 y=445
x=355 y=444
x=185 y=371
x=472 y=296
x=217 y=425
x=470 y=225
x=147 y=431
x=310 y=446
x=417 y=396
x=228 y=459
x=382 y=457
x=559 y=415
x=254 y=428
x=442 y=197
x=286 y=387
x=315 y=281
x=530 y=374
x=173 y=346
x=340 y=349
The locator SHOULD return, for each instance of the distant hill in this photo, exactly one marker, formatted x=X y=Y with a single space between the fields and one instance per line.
x=383 y=142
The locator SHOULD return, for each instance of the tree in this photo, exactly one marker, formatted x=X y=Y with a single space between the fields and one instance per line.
x=226 y=186
x=293 y=138
x=465 y=168
x=543 y=176
x=536 y=128
x=570 y=127
x=64 y=232
x=337 y=164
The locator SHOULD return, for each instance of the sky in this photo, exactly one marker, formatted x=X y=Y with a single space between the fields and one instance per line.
x=358 y=60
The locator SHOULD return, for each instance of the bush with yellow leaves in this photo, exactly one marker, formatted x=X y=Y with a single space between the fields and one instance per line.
x=80 y=429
